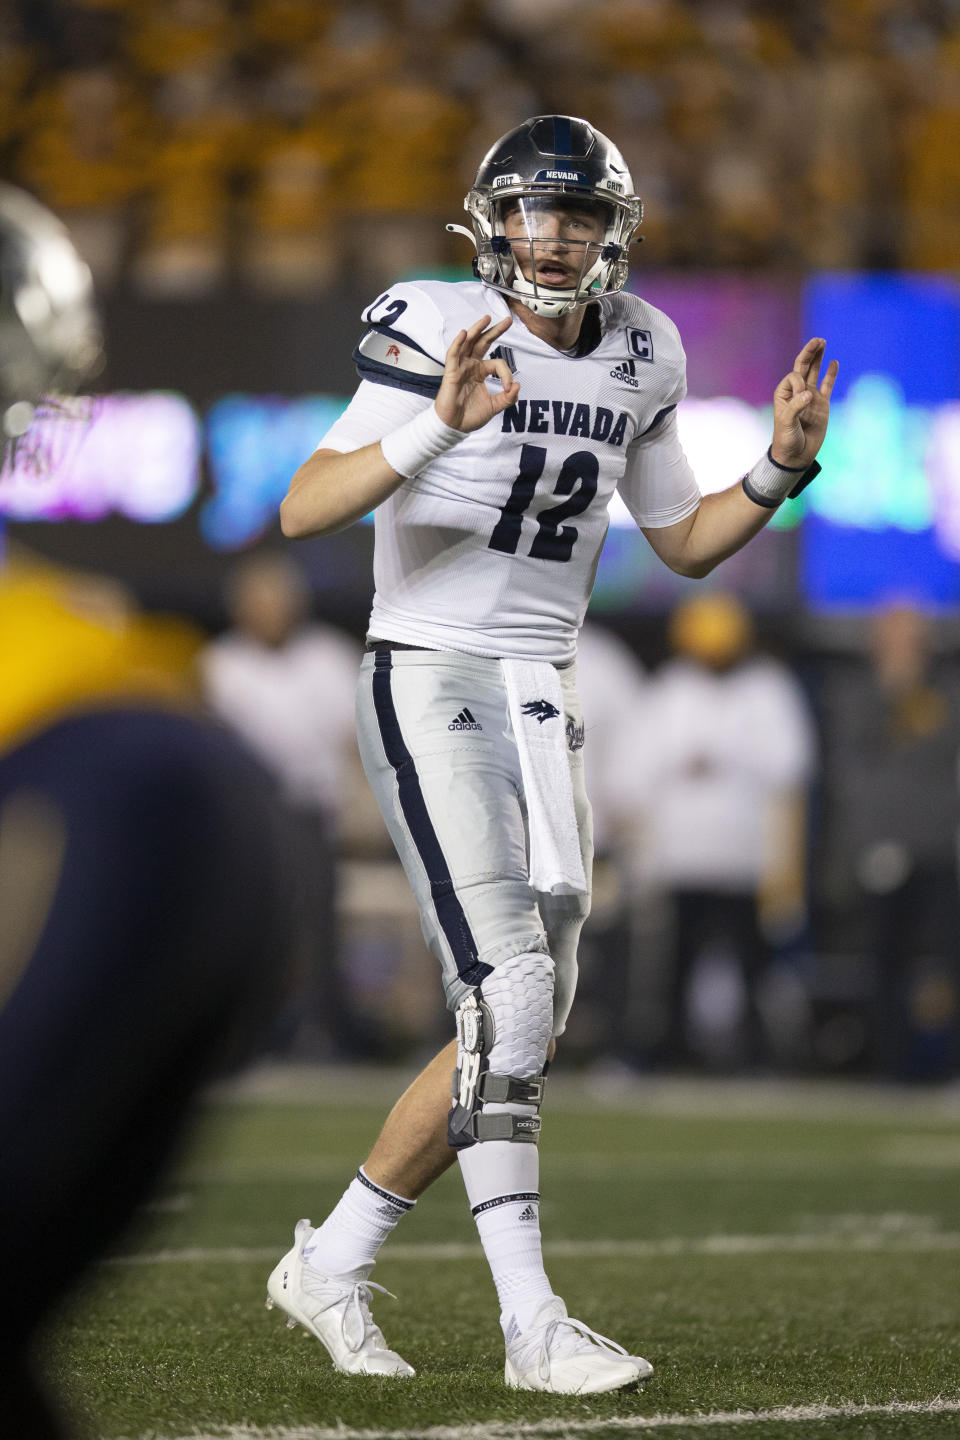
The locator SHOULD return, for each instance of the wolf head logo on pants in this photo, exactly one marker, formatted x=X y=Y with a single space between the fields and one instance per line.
x=542 y=709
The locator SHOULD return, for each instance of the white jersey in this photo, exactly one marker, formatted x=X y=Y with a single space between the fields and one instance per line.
x=492 y=549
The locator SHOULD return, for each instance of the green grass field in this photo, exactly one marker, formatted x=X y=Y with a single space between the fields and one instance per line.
x=770 y=1249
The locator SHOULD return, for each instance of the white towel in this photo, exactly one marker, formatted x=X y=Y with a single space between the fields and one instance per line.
x=535 y=698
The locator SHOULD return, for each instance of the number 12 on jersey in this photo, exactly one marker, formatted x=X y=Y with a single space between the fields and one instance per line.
x=553 y=540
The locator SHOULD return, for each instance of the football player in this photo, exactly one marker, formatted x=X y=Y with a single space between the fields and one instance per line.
x=494 y=420
x=141 y=892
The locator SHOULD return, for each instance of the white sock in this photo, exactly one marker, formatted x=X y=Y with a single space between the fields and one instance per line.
x=348 y=1240
x=502 y=1179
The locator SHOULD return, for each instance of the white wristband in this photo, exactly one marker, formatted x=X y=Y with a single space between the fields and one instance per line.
x=769 y=483
x=410 y=449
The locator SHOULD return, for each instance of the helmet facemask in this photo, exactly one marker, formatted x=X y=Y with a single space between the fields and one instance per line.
x=551 y=247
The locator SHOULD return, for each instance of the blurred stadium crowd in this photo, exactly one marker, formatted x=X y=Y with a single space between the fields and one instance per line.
x=295 y=144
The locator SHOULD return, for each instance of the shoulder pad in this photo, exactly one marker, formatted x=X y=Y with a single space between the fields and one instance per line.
x=403 y=346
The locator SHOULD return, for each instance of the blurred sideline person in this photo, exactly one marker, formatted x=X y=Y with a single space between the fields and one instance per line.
x=287 y=685
x=612 y=684
x=892 y=731
x=725 y=821
x=140 y=888
x=494 y=420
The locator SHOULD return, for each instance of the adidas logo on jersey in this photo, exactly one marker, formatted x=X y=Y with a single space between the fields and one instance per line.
x=528 y=1213
x=626 y=374
x=464 y=721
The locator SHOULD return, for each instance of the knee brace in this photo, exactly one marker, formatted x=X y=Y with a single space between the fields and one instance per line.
x=503 y=1031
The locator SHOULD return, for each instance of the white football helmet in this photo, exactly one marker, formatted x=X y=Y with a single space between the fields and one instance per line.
x=50 y=338
x=552 y=166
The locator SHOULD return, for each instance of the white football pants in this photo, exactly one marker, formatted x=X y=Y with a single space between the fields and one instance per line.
x=439 y=751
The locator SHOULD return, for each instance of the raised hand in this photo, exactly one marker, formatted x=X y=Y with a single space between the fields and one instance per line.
x=801 y=408
x=463 y=400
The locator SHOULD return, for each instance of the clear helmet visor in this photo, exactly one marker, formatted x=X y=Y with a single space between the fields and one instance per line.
x=555 y=217
x=554 y=241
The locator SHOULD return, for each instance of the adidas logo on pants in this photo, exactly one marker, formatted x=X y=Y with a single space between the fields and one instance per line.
x=464 y=721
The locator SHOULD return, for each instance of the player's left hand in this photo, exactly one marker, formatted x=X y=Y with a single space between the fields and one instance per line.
x=801 y=408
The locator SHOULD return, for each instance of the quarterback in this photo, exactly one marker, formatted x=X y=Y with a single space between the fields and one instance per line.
x=493 y=422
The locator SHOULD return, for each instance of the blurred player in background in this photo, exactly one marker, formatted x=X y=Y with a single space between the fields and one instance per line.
x=139 y=882
x=285 y=684
x=726 y=823
x=494 y=420
x=606 y=1022
x=893 y=746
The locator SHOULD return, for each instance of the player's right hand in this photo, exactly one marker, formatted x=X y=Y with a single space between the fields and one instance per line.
x=463 y=400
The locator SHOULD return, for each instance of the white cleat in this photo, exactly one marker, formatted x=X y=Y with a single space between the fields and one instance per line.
x=335 y=1310
x=566 y=1357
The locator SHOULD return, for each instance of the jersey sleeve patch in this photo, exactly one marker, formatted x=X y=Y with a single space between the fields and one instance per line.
x=387 y=357
x=403 y=340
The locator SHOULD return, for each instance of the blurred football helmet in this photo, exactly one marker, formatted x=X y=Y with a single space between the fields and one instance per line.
x=530 y=184
x=50 y=339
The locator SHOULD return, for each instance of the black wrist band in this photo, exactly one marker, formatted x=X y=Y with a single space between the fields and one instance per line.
x=811 y=472
x=795 y=469
x=806 y=475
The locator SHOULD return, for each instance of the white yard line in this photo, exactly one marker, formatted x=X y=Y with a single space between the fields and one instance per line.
x=879 y=1239
x=928 y=1152
x=586 y=1166
x=509 y=1429
x=695 y=1096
